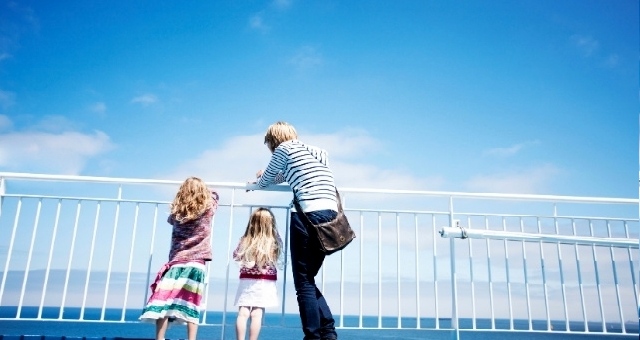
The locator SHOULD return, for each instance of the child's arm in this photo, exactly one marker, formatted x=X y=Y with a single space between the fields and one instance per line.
x=214 y=201
x=235 y=252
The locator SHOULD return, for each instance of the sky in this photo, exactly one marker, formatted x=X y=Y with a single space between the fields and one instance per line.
x=524 y=96
x=534 y=97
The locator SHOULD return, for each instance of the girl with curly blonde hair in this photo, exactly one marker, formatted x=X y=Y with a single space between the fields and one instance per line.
x=179 y=285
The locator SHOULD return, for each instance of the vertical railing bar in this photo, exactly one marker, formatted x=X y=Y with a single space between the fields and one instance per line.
x=361 y=243
x=133 y=242
x=10 y=251
x=615 y=280
x=580 y=283
x=561 y=269
x=110 y=265
x=491 y=302
x=342 y=283
x=93 y=243
x=379 y=271
x=597 y=273
x=151 y=245
x=399 y=324
x=471 y=278
x=30 y=256
x=633 y=272
x=526 y=278
x=286 y=264
x=341 y=322
x=454 y=279
x=71 y=251
x=544 y=278
x=506 y=263
x=229 y=250
x=207 y=286
x=417 y=258
x=435 y=271
x=49 y=259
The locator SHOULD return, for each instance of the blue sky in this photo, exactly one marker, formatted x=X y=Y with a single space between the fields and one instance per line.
x=499 y=96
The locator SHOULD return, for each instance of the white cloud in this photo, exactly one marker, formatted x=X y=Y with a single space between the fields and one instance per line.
x=282 y=4
x=307 y=57
x=527 y=181
x=587 y=45
x=54 y=123
x=99 y=107
x=65 y=153
x=145 y=99
x=256 y=22
x=5 y=123
x=238 y=159
x=7 y=99
x=509 y=151
x=612 y=61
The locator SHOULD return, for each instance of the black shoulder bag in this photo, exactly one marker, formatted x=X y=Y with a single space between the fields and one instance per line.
x=333 y=235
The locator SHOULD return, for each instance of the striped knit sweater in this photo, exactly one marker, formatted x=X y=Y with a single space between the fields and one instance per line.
x=191 y=240
x=306 y=169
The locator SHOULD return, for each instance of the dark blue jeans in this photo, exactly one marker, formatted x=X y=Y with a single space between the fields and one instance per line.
x=306 y=260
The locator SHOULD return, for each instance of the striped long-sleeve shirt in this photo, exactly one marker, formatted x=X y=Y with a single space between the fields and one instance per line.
x=306 y=169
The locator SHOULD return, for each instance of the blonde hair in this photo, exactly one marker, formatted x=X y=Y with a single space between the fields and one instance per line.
x=261 y=244
x=191 y=201
x=278 y=133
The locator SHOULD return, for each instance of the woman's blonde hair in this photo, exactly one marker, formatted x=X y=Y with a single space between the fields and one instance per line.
x=261 y=244
x=278 y=133
x=191 y=201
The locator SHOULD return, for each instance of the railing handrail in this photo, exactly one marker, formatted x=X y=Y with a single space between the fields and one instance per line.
x=465 y=233
x=247 y=186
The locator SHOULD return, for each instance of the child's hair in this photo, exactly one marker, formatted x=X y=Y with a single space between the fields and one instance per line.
x=278 y=133
x=192 y=200
x=261 y=244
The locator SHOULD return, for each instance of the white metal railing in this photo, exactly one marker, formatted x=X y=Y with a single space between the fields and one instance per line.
x=84 y=248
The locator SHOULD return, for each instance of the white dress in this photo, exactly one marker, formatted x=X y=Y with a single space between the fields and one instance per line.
x=257 y=293
x=257 y=286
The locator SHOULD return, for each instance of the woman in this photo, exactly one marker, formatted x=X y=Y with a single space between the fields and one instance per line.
x=305 y=169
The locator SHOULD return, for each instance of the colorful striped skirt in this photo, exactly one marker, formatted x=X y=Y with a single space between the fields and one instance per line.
x=177 y=294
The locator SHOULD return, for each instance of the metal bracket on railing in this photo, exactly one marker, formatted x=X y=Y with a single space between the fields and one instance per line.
x=458 y=231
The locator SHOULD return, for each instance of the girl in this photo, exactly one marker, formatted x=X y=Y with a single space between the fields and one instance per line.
x=178 y=287
x=258 y=254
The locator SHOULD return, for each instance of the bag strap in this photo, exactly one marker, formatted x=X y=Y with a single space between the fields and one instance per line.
x=301 y=212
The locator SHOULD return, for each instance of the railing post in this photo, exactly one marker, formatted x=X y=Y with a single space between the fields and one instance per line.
x=229 y=259
x=2 y=192
x=454 y=288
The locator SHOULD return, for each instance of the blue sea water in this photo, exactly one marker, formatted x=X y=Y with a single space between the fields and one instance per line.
x=108 y=324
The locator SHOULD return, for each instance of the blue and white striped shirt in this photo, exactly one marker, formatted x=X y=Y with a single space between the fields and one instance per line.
x=306 y=169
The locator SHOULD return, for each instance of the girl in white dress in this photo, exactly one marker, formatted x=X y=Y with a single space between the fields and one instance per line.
x=258 y=254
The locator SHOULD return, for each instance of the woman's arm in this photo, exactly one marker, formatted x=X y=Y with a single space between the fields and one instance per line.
x=273 y=173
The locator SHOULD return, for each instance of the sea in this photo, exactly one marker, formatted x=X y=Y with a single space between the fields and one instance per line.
x=113 y=323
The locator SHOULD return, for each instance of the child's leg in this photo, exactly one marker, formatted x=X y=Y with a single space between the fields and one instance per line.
x=161 y=328
x=241 y=322
x=256 y=322
x=192 y=330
